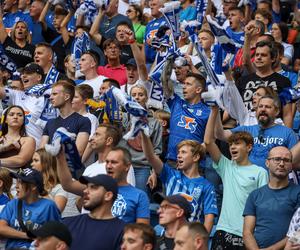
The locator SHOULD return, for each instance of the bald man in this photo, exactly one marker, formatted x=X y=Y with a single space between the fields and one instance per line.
x=270 y=208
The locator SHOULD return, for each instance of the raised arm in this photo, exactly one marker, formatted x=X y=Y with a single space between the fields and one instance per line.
x=167 y=84
x=81 y=142
x=152 y=158
x=287 y=114
x=220 y=133
x=249 y=31
x=3 y=34
x=94 y=31
x=42 y=19
x=65 y=176
x=209 y=138
x=64 y=27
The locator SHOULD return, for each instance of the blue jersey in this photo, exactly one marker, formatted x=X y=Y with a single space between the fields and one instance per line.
x=266 y=139
x=237 y=37
x=131 y=204
x=34 y=216
x=198 y=191
x=9 y=19
x=290 y=75
x=187 y=122
x=151 y=29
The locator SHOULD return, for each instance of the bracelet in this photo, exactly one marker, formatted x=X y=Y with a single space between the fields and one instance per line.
x=131 y=41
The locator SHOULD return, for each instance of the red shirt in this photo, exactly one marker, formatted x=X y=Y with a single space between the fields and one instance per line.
x=116 y=73
x=238 y=61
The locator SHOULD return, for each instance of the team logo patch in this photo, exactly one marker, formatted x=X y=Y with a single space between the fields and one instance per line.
x=187 y=123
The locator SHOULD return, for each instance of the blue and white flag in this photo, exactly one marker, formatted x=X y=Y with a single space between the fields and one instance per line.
x=288 y=95
x=6 y=62
x=171 y=14
x=80 y=45
x=225 y=41
x=190 y=27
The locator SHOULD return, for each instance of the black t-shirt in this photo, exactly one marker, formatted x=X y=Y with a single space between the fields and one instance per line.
x=247 y=85
x=20 y=56
x=74 y=123
x=126 y=54
x=164 y=243
x=57 y=43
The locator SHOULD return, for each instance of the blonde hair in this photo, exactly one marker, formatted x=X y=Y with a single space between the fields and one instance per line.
x=196 y=147
x=13 y=30
x=49 y=169
x=7 y=181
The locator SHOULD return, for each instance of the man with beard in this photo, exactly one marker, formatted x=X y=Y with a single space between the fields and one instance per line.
x=267 y=134
x=269 y=209
x=98 y=229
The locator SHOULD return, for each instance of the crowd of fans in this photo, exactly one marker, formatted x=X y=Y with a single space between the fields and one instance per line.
x=150 y=124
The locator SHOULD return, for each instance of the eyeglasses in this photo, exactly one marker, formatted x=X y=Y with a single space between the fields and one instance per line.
x=277 y=160
x=129 y=11
x=166 y=206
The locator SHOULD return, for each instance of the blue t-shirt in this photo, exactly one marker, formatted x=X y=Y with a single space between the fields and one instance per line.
x=266 y=139
x=74 y=123
x=9 y=19
x=34 y=216
x=131 y=204
x=290 y=75
x=237 y=37
x=188 y=14
x=187 y=122
x=198 y=191
x=151 y=29
x=3 y=199
x=273 y=209
x=90 y=234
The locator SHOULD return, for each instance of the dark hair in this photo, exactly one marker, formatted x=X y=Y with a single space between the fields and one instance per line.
x=126 y=154
x=241 y=135
x=239 y=9
x=261 y=26
x=69 y=88
x=279 y=47
x=272 y=51
x=93 y=54
x=199 y=78
x=85 y=90
x=139 y=12
x=148 y=233
x=269 y=3
x=284 y=30
x=110 y=41
x=112 y=82
x=269 y=37
x=265 y=14
x=113 y=132
x=123 y=23
x=4 y=126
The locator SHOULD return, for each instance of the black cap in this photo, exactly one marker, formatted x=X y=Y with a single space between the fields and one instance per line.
x=30 y=175
x=131 y=62
x=103 y=180
x=33 y=68
x=177 y=199
x=53 y=228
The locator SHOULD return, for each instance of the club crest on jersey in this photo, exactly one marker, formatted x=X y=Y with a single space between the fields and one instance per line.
x=187 y=123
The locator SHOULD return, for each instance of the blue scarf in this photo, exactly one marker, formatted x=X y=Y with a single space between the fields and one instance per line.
x=201 y=6
x=80 y=45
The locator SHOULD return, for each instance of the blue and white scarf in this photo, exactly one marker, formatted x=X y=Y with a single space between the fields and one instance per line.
x=6 y=62
x=64 y=137
x=80 y=45
x=225 y=41
x=201 y=6
x=191 y=27
x=89 y=9
x=138 y=113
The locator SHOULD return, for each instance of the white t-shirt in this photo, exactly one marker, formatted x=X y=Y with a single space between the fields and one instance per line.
x=33 y=107
x=95 y=84
x=99 y=168
x=94 y=122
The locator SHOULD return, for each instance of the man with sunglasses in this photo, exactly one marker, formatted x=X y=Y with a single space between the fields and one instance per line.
x=174 y=211
x=269 y=209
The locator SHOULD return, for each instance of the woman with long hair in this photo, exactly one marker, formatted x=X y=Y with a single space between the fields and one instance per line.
x=19 y=40
x=16 y=149
x=46 y=164
x=135 y=14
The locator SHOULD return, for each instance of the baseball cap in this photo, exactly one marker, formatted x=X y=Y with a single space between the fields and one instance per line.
x=103 y=180
x=176 y=199
x=131 y=62
x=30 y=175
x=53 y=228
x=33 y=68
